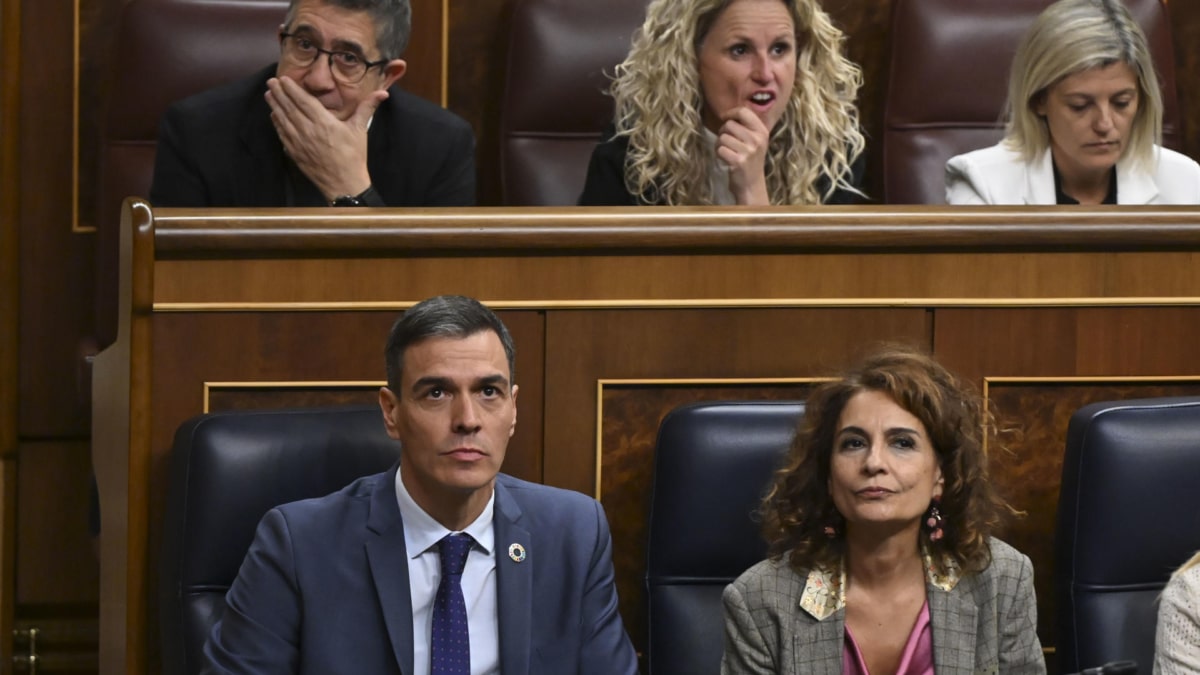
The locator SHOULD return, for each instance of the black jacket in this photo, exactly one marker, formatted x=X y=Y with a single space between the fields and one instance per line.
x=219 y=148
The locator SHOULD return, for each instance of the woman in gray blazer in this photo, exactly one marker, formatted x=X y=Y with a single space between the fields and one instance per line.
x=879 y=525
x=1083 y=120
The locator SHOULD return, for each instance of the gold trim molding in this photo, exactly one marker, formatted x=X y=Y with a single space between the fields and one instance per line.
x=698 y=303
x=287 y=384
x=76 y=228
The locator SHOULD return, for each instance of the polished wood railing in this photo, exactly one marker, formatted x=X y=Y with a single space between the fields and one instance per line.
x=620 y=314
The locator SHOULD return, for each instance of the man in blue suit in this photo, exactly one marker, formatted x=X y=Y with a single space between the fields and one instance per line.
x=364 y=580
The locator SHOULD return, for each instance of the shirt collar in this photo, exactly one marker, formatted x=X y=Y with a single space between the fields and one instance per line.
x=422 y=532
x=825 y=590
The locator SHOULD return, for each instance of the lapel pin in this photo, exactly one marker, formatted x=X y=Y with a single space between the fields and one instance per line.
x=516 y=552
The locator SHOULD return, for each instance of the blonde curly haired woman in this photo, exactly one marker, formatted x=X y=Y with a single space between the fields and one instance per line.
x=731 y=102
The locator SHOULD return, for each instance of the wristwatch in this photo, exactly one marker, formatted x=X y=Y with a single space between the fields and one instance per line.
x=359 y=199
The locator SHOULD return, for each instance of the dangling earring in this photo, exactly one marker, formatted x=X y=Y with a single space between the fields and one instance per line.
x=833 y=524
x=934 y=521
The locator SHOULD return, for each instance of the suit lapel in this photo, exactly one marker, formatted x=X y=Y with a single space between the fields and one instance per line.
x=514 y=584
x=953 y=648
x=1039 y=181
x=388 y=560
x=1135 y=187
x=817 y=644
x=261 y=180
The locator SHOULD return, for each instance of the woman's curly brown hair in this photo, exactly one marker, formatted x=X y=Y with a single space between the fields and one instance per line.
x=798 y=506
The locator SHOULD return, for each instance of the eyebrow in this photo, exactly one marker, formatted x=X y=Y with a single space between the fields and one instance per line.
x=891 y=431
x=349 y=46
x=338 y=45
x=433 y=381
x=1079 y=94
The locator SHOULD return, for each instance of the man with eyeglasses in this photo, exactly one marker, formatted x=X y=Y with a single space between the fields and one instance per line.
x=323 y=127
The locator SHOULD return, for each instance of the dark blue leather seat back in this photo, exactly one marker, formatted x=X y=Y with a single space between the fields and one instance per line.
x=1128 y=515
x=713 y=463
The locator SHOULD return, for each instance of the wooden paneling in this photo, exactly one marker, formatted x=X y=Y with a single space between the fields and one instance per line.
x=477 y=70
x=1040 y=365
x=56 y=561
x=425 y=76
x=1185 y=31
x=63 y=645
x=1028 y=468
x=584 y=347
x=55 y=265
x=664 y=298
x=1069 y=341
x=10 y=44
x=57 y=568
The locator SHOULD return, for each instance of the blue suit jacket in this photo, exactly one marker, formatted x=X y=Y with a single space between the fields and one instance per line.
x=324 y=587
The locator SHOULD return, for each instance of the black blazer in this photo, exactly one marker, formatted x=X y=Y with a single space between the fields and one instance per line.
x=605 y=184
x=219 y=148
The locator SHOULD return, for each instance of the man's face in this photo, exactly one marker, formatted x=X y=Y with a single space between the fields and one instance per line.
x=453 y=416
x=337 y=29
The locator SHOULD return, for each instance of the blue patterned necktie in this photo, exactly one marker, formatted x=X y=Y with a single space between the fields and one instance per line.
x=451 y=646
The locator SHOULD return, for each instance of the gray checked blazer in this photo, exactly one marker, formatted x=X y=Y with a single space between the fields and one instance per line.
x=981 y=623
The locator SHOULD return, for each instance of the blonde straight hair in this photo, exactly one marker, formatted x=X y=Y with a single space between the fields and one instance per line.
x=1069 y=37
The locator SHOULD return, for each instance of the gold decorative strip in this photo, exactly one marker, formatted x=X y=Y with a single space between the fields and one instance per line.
x=289 y=384
x=76 y=227
x=445 y=53
x=700 y=303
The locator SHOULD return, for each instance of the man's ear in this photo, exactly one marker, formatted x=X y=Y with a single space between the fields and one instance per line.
x=389 y=405
x=392 y=72
x=513 y=427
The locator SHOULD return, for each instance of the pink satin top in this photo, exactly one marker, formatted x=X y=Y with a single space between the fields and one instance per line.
x=917 y=658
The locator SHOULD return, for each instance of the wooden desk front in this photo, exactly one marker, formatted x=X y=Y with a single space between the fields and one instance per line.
x=618 y=316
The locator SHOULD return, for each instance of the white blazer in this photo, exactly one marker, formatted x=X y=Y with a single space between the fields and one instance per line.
x=998 y=175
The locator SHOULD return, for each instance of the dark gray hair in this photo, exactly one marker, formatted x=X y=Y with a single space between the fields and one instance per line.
x=392 y=20
x=452 y=316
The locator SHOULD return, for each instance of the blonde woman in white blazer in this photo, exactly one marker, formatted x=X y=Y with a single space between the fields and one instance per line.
x=1083 y=120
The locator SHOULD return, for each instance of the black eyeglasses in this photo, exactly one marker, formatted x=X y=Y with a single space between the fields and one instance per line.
x=347 y=67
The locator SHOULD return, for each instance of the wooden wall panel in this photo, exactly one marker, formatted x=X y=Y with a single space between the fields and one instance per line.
x=1185 y=30
x=476 y=64
x=1028 y=469
x=56 y=561
x=55 y=264
x=583 y=347
x=1011 y=349
x=55 y=575
x=10 y=45
x=57 y=567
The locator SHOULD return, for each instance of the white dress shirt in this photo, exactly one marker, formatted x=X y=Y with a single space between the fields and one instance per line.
x=421 y=536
